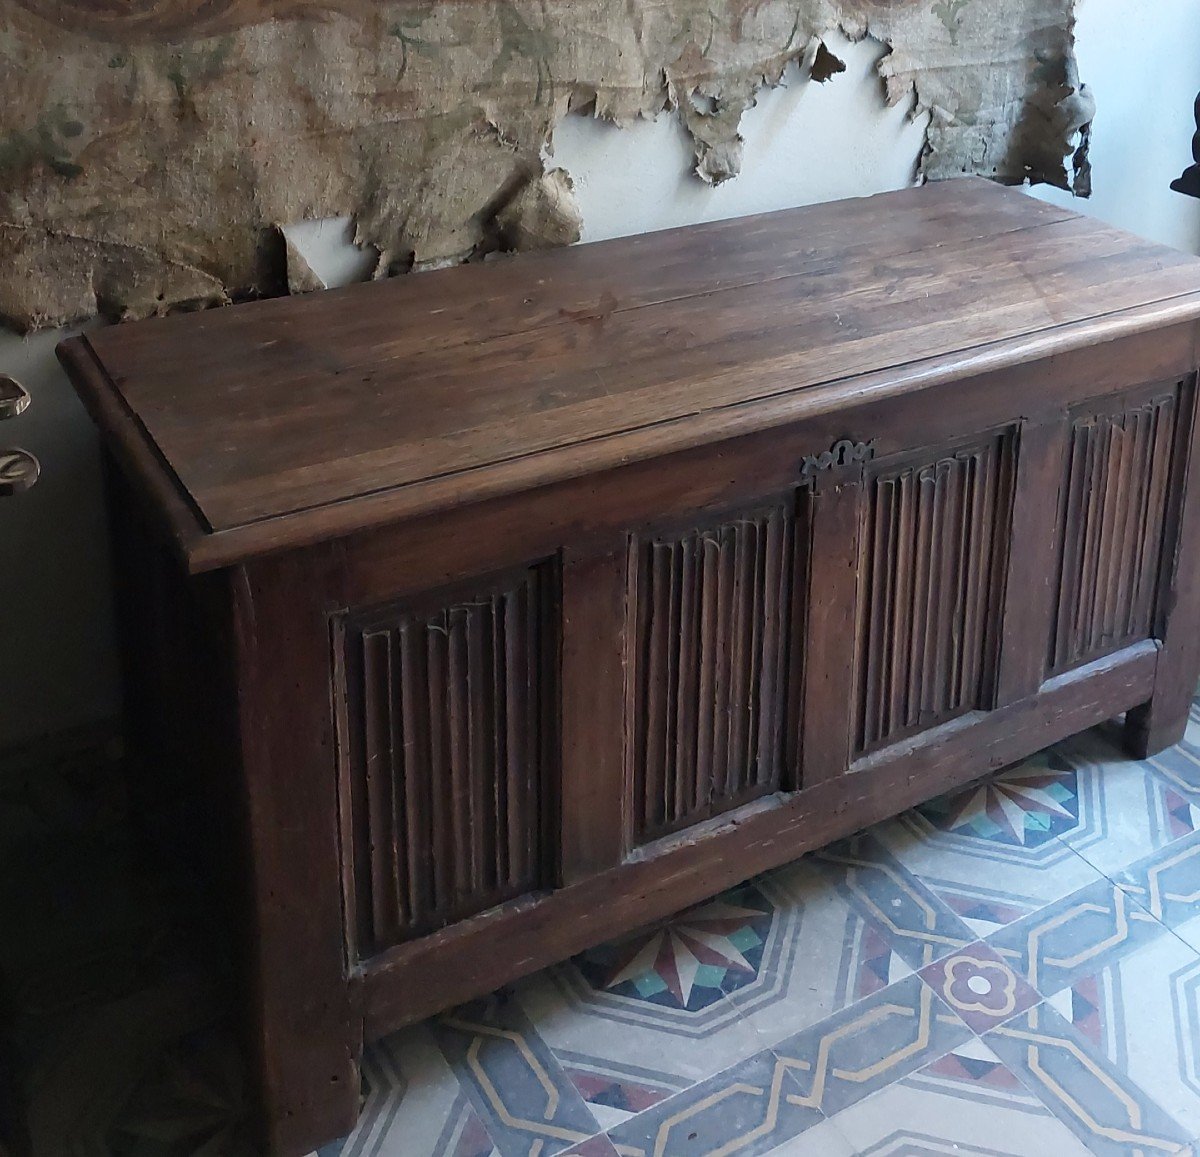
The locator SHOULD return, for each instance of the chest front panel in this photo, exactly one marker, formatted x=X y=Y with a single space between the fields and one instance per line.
x=594 y=704
x=932 y=565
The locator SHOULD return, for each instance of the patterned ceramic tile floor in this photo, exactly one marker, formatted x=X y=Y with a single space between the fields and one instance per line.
x=1011 y=969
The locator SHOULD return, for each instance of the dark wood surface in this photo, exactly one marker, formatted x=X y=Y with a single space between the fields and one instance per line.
x=505 y=944
x=457 y=692
x=707 y=677
x=480 y=380
x=1162 y=720
x=556 y=594
x=305 y=1032
x=591 y=797
x=932 y=572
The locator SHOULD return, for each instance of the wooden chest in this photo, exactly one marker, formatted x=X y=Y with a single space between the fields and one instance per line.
x=523 y=603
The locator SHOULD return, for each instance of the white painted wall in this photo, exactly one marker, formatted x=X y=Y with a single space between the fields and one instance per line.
x=804 y=143
x=1143 y=63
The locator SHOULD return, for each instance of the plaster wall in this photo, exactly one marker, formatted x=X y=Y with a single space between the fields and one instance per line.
x=1145 y=72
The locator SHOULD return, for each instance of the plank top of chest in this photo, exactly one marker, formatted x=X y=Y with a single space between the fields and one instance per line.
x=279 y=422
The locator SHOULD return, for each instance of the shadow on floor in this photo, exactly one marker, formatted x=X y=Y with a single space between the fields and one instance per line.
x=114 y=1029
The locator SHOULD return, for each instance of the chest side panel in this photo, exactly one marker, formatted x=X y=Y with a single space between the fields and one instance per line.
x=449 y=711
x=1113 y=514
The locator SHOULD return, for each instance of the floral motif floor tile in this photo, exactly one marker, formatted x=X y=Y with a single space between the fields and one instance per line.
x=777 y=1100
x=1098 y=1102
x=966 y=1103
x=1076 y=936
x=914 y=922
x=1012 y=969
x=995 y=851
x=979 y=986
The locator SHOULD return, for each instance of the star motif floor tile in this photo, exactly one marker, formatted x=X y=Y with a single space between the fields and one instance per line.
x=1025 y=807
x=692 y=960
x=983 y=871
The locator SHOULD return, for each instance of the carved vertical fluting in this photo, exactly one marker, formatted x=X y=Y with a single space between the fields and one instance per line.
x=447 y=753
x=710 y=612
x=1113 y=511
x=926 y=620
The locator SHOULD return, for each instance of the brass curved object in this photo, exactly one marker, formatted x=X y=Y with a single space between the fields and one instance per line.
x=148 y=20
x=14 y=398
x=19 y=470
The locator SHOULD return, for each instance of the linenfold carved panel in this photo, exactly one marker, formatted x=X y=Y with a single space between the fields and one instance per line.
x=933 y=552
x=1113 y=509
x=709 y=683
x=448 y=710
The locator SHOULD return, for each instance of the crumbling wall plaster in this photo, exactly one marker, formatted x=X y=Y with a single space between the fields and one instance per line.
x=1146 y=65
x=151 y=150
x=804 y=142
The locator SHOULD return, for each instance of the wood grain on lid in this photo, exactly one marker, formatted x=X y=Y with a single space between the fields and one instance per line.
x=265 y=410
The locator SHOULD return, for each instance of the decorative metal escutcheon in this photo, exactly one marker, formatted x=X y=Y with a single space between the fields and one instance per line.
x=843 y=453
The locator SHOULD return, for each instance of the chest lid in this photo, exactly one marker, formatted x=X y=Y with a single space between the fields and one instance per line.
x=280 y=422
